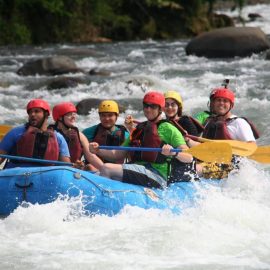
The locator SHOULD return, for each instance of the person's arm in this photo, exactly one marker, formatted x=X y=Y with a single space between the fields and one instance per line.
x=173 y=137
x=240 y=129
x=9 y=141
x=64 y=158
x=190 y=143
x=181 y=156
x=91 y=158
x=64 y=154
x=2 y=152
x=129 y=123
x=112 y=155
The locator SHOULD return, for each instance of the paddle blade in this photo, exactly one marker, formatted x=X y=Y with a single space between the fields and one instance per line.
x=239 y=148
x=3 y=130
x=262 y=154
x=212 y=152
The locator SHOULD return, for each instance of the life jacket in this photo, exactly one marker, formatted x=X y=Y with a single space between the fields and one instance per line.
x=104 y=136
x=146 y=135
x=72 y=138
x=217 y=129
x=188 y=125
x=35 y=143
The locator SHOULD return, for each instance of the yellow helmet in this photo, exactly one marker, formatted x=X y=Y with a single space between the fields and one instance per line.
x=108 y=106
x=174 y=95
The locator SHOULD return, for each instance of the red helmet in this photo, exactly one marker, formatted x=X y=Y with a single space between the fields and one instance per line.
x=155 y=97
x=222 y=93
x=61 y=109
x=38 y=103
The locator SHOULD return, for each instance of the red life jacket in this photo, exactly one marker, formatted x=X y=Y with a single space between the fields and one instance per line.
x=72 y=138
x=146 y=135
x=104 y=136
x=217 y=129
x=35 y=143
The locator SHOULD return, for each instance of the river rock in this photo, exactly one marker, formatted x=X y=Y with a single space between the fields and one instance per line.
x=254 y=16
x=55 y=65
x=229 y=42
x=64 y=82
x=99 y=72
x=267 y=57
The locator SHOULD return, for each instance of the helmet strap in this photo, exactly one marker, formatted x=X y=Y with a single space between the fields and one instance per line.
x=159 y=113
x=61 y=120
x=45 y=116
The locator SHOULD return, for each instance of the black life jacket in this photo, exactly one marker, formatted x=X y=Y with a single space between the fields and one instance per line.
x=217 y=129
x=146 y=135
x=104 y=136
x=35 y=143
x=188 y=125
x=72 y=138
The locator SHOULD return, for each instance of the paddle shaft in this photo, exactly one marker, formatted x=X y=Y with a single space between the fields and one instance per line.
x=36 y=160
x=142 y=149
x=209 y=152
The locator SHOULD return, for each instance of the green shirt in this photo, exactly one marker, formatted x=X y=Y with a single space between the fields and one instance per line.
x=202 y=116
x=169 y=134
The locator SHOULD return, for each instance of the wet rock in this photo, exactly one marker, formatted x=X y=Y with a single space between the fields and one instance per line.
x=55 y=65
x=267 y=57
x=229 y=42
x=254 y=16
x=64 y=82
x=99 y=72
x=86 y=105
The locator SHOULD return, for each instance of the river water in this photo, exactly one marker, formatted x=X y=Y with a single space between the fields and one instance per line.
x=230 y=227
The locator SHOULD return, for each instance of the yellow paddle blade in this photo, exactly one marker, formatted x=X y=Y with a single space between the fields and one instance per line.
x=212 y=152
x=262 y=154
x=3 y=130
x=239 y=148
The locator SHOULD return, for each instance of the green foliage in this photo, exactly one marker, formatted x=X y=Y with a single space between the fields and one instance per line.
x=14 y=33
x=51 y=21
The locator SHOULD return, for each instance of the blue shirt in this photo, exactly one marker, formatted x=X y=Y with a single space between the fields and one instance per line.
x=10 y=140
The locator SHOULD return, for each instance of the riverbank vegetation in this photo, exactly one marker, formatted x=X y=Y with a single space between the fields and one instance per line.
x=58 y=21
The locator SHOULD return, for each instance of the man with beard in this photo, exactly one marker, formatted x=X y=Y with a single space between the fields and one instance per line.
x=34 y=139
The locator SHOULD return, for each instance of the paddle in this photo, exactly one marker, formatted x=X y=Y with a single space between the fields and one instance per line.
x=262 y=154
x=239 y=148
x=3 y=130
x=36 y=160
x=209 y=152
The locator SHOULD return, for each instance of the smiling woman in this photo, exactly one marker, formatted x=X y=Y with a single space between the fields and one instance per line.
x=64 y=115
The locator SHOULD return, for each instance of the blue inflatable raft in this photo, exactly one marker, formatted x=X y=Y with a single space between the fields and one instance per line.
x=100 y=195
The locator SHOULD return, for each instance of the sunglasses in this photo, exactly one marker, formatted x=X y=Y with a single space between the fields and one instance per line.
x=173 y=104
x=152 y=106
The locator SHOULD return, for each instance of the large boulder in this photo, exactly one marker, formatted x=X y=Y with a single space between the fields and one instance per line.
x=229 y=42
x=86 y=105
x=55 y=65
